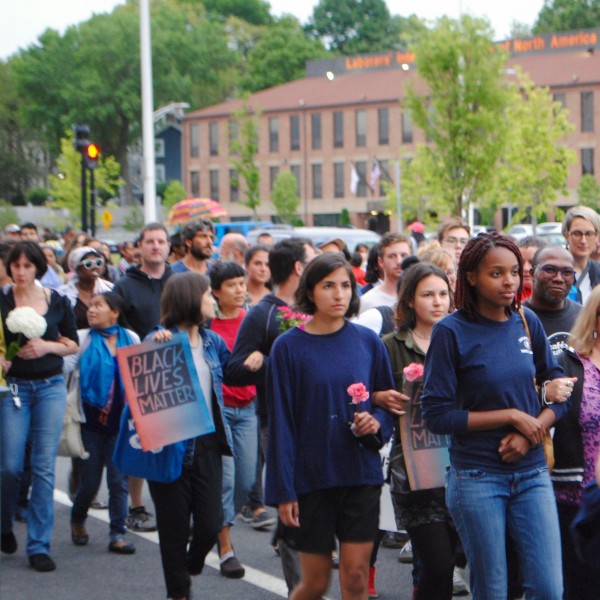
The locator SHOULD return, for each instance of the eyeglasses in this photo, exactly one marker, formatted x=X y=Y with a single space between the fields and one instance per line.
x=577 y=235
x=452 y=241
x=92 y=263
x=551 y=272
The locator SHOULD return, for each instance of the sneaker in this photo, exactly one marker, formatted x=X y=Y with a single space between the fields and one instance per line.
x=260 y=520
x=141 y=520
x=459 y=585
x=371 y=590
x=393 y=539
x=406 y=554
x=8 y=543
x=231 y=568
x=42 y=563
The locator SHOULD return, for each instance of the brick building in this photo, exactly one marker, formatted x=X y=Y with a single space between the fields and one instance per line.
x=347 y=115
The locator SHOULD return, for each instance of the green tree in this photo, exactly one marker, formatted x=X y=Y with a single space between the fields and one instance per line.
x=588 y=192
x=353 y=26
x=461 y=114
x=101 y=86
x=280 y=55
x=65 y=187
x=17 y=166
x=534 y=165
x=284 y=197
x=243 y=149
x=565 y=15
x=172 y=193
x=256 y=12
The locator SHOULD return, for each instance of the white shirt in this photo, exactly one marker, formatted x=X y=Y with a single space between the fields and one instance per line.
x=376 y=297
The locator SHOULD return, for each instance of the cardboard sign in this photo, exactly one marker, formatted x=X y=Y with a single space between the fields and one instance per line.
x=425 y=453
x=163 y=392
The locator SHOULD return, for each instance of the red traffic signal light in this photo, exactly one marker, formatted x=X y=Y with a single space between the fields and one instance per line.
x=91 y=155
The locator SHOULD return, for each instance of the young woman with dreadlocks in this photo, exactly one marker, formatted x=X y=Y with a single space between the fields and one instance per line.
x=479 y=388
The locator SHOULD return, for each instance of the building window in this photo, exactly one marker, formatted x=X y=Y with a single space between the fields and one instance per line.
x=361 y=128
x=296 y=172
x=383 y=120
x=587 y=161
x=214 y=184
x=159 y=148
x=294 y=132
x=326 y=220
x=587 y=111
x=361 y=169
x=317 y=181
x=213 y=129
x=273 y=134
x=561 y=98
x=234 y=132
x=195 y=183
x=338 y=180
x=338 y=129
x=160 y=173
x=234 y=190
x=407 y=127
x=315 y=126
x=195 y=140
x=273 y=172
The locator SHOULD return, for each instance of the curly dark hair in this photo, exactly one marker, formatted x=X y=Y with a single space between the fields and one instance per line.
x=470 y=259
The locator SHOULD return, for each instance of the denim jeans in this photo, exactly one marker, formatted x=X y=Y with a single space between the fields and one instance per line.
x=239 y=471
x=40 y=417
x=484 y=507
x=101 y=447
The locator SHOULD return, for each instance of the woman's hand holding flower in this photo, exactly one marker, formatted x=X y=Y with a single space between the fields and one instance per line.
x=35 y=348
x=392 y=400
x=365 y=423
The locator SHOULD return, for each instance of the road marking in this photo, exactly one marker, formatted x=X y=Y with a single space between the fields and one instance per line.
x=255 y=577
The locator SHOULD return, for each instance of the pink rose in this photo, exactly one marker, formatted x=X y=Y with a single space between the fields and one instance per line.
x=413 y=372
x=358 y=392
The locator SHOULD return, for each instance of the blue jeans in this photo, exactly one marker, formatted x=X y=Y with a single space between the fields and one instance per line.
x=101 y=447
x=40 y=417
x=239 y=471
x=484 y=507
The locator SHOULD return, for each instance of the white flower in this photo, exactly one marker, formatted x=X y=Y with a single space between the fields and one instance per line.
x=27 y=321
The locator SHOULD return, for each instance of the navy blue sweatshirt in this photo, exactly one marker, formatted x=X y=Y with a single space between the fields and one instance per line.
x=481 y=366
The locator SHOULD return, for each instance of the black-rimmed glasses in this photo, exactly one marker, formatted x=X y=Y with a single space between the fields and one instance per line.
x=551 y=272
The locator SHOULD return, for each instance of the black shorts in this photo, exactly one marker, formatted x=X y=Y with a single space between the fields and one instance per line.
x=349 y=513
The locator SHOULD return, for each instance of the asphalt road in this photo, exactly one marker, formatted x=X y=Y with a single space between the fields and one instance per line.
x=92 y=573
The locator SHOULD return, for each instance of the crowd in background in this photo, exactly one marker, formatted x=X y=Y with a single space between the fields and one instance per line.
x=262 y=322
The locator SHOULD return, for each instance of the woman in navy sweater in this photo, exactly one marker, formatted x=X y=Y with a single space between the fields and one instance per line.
x=325 y=479
x=479 y=388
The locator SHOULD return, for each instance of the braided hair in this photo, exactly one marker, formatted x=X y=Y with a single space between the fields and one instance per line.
x=470 y=259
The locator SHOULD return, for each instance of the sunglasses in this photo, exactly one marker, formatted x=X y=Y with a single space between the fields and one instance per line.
x=92 y=263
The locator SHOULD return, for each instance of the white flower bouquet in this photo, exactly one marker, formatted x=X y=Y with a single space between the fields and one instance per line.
x=24 y=321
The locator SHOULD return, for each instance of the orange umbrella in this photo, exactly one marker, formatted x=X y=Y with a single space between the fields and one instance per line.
x=195 y=208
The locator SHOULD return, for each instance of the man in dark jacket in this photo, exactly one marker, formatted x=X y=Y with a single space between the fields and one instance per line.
x=141 y=289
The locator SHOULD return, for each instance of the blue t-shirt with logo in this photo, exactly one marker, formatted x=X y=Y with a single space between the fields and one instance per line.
x=486 y=365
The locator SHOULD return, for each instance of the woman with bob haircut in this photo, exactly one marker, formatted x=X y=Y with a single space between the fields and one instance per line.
x=479 y=388
x=35 y=406
x=576 y=443
x=185 y=305
x=424 y=298
x=322 y=474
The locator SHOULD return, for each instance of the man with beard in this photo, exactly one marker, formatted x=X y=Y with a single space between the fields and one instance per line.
x=553 y=274
x=198 y=237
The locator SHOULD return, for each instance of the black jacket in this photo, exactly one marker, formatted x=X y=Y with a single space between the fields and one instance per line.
x=568 y=442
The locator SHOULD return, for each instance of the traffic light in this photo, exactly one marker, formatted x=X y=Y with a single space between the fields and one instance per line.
x=91 y=155
x=82 y=135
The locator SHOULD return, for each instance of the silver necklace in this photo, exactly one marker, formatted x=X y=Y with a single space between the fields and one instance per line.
x=421 y=337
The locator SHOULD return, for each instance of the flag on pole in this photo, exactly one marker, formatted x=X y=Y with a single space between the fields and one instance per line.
x=375 y=173
x=354 y=179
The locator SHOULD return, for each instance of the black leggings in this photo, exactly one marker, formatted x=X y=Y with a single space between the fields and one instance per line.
x=434 y=544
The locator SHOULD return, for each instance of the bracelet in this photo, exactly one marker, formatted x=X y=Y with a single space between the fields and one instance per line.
x=546 y=402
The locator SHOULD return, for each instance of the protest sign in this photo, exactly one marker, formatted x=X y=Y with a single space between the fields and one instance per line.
x=425 y=453
x=163 y=392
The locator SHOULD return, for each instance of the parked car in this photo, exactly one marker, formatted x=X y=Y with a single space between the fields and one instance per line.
x=351 y=236
x=518 y=232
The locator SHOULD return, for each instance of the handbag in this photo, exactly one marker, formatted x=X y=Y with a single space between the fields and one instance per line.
x=70 y=443
x=162 y=464
x=547 y=444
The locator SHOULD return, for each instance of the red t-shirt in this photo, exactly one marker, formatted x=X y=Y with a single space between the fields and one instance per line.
x=234 y=396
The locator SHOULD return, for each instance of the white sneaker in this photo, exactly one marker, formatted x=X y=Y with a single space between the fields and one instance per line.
x=406 y=554
x=459 y=585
